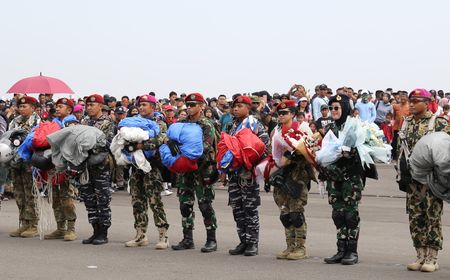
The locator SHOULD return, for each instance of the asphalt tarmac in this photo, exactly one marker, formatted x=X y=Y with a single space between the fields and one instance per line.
x=385 y=246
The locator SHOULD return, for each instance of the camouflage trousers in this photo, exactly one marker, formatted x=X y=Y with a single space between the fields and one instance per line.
x=97 y=194
x=190 y=185
x=244 y=200
x=292 y=210
x=64 y=196
x=344 y=197
x=425 y=212
x=24 y=195
x=146 y=190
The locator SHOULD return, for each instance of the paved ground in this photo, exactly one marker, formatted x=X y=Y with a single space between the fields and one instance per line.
x=385 y=246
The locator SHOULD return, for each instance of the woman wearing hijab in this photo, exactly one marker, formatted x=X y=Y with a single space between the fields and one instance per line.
x=344 y=184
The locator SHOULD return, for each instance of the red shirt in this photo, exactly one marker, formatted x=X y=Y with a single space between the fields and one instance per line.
x=433 y=106
x=388 y=131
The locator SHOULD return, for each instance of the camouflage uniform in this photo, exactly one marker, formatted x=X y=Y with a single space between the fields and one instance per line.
x=292 y=209
x=344 y=185
x=193 y=184
x=244 y=196
x=22 y=178
x=97 y=193
x=64 y=196
x=146 y=188
x=424 y=209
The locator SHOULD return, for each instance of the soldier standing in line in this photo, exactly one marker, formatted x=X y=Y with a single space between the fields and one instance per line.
x=344 y=185
x=63 y=193
x=243 y=190
x=199 y=183
x=146 y=187
x=291 y=202
x=423 y=207
x=21 y=174
x=96 y=193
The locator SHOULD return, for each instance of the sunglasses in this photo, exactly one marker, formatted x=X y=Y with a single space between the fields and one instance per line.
x=335 y=108
x=283 y=113
x=191 y=104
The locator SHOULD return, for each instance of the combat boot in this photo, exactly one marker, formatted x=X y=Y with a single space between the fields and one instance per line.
x=211 y=243
x=430 y=264
x=186 y=243
x=139 y=240
x=163 y=242
x=31 y=231
x=351 y=256
x=58 y=233
x=299 y=251
x=341 y=249
x=290 y=242
x=102 y=236
x=22 y=227
x=70 y=235
x=239 y=250
x=251 y=250
x=95 y=227
x=421 y=256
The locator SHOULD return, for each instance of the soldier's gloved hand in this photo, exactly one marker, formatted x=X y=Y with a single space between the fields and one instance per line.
x=174 y=149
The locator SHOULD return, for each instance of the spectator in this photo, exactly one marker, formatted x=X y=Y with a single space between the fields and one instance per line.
x=387 y=128
x=367 y=111
x=303 y=107
x=182 y=115
x=319 y=100
x=445 y=112
x=324 y=120
x=226 y=118
x=401 y=110
x=383 y=107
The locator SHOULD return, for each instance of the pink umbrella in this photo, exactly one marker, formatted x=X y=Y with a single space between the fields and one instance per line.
x=40 y=84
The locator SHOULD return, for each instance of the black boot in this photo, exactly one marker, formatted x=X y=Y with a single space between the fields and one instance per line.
x=351 y=256
x=102 y=237
x=211 y=244
x=93 y=236
x=186 y=243
x=251 y=250
x=341 y=249
x=239 y=250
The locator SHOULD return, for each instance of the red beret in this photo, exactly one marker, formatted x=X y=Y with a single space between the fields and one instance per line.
x=147 y=98
x=195 y=97
x=97 y=98
x=286 y=104
x=28 y=100
x=420 y=93
x=65 y=101
x=242 y=99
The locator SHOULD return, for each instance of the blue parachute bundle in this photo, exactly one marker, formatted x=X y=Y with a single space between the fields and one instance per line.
x=148 y=125
x=166 y=156
x=189 y=137
x=25 y=149
x=68 y=119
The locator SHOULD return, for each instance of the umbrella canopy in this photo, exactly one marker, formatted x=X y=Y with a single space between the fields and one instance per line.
x=40 y=84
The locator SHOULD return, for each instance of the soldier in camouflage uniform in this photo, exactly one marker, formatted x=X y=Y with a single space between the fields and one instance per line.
x=424 y=209
x=146 y=187
x=291 y=207
x=243 y=190
x=199 y=183
x=63 y=193
x=96 y=193
x=344 y=185
x=21 y=174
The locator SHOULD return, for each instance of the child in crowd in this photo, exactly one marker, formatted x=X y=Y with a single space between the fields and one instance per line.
x=387 y=128
x=445 y=113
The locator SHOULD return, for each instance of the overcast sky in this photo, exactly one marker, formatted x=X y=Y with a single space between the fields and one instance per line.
x=133 y=47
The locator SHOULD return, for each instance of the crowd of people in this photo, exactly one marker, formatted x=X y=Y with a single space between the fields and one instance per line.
x=278 y=133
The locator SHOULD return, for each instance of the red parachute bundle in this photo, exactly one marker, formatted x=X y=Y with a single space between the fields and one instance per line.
x=246 y=147
x=183 y=165
x=41 y=133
